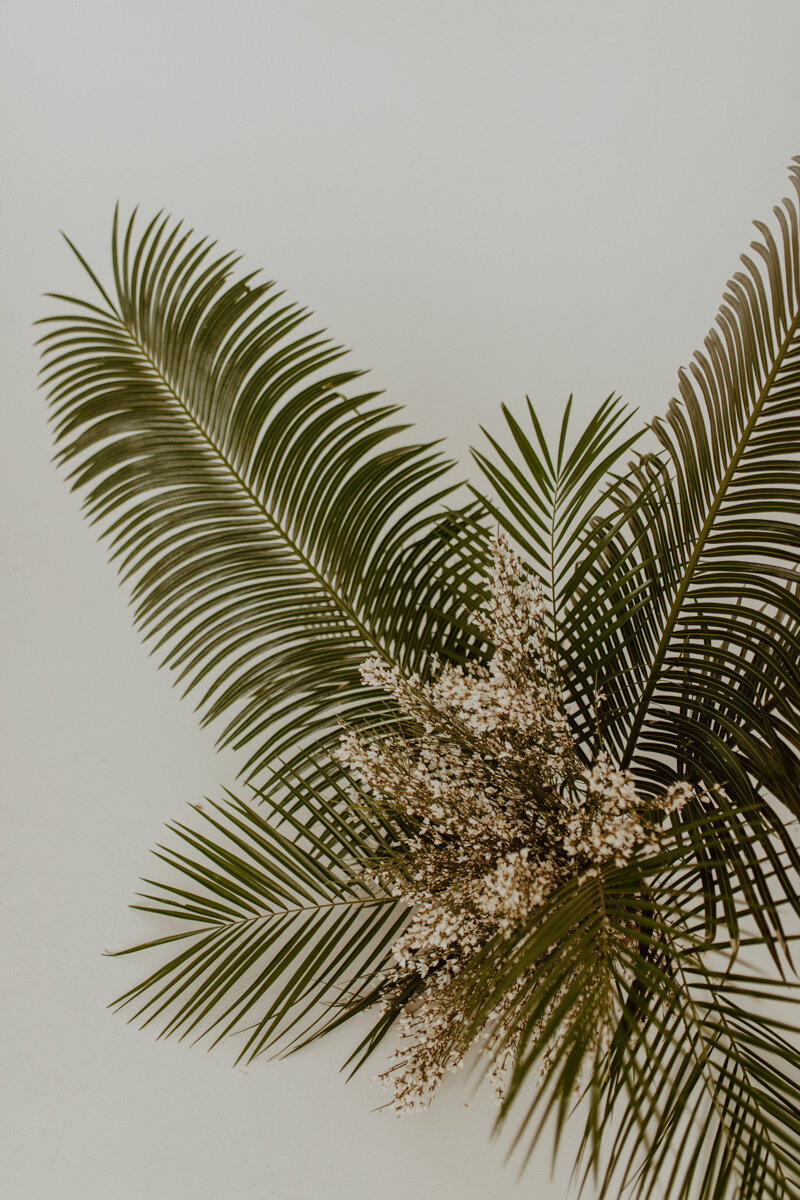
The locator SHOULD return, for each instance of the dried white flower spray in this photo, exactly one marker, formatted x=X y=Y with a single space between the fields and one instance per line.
x=501 y=810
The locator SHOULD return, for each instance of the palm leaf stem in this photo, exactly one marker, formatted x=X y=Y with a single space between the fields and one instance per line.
x=361 y=901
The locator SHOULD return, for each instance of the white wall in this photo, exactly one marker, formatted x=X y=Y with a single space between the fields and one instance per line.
x=483 y=199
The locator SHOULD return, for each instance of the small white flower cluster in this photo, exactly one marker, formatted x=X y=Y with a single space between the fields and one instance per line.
x=501 y=811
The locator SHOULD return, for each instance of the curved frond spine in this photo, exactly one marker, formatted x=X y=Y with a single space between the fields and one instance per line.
x=253 y=504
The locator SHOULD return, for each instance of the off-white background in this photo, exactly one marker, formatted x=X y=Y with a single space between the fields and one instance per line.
x=483 y=199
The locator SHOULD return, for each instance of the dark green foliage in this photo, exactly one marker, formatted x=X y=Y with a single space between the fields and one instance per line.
x=276 y=533
x=278 y=921
x=274 y=530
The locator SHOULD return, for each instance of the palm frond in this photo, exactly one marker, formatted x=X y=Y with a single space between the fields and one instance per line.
x=684 y=1055
x=273 y=927
x=681 y=598
x=709 y=1075
x=722 y=534
x=275 y=531
x=561 y=508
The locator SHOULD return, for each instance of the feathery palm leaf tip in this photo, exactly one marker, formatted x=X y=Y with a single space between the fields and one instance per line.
x=562 y=819
x=259 y=511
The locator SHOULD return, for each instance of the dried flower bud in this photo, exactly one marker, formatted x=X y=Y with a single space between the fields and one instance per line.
x=504 y=812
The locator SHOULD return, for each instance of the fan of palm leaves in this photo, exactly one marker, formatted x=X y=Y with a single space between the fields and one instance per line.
x=274 y=529
x=276 y=533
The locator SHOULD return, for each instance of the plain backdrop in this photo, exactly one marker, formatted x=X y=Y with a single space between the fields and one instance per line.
x=484 y=200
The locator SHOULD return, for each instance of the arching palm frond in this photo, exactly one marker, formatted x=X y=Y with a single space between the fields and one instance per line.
x=684 y=1055
x=718 y=518
x=729 y=578
x=701 y=1089
x=274 y=931
x=601 y=573
x=275 y=530
x=681 y=1049
x=681 y=600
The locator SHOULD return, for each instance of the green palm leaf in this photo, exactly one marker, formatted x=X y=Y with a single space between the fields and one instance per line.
x=714 y=523
x=273 y=927
x=275 y=531
x=710 y=1076
x=676 y=592
x=699 y=1090
x=277 y=534
x=561 y=508
x=676 y=589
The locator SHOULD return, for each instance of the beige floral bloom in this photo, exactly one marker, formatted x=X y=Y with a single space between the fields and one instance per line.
x=503 y=811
